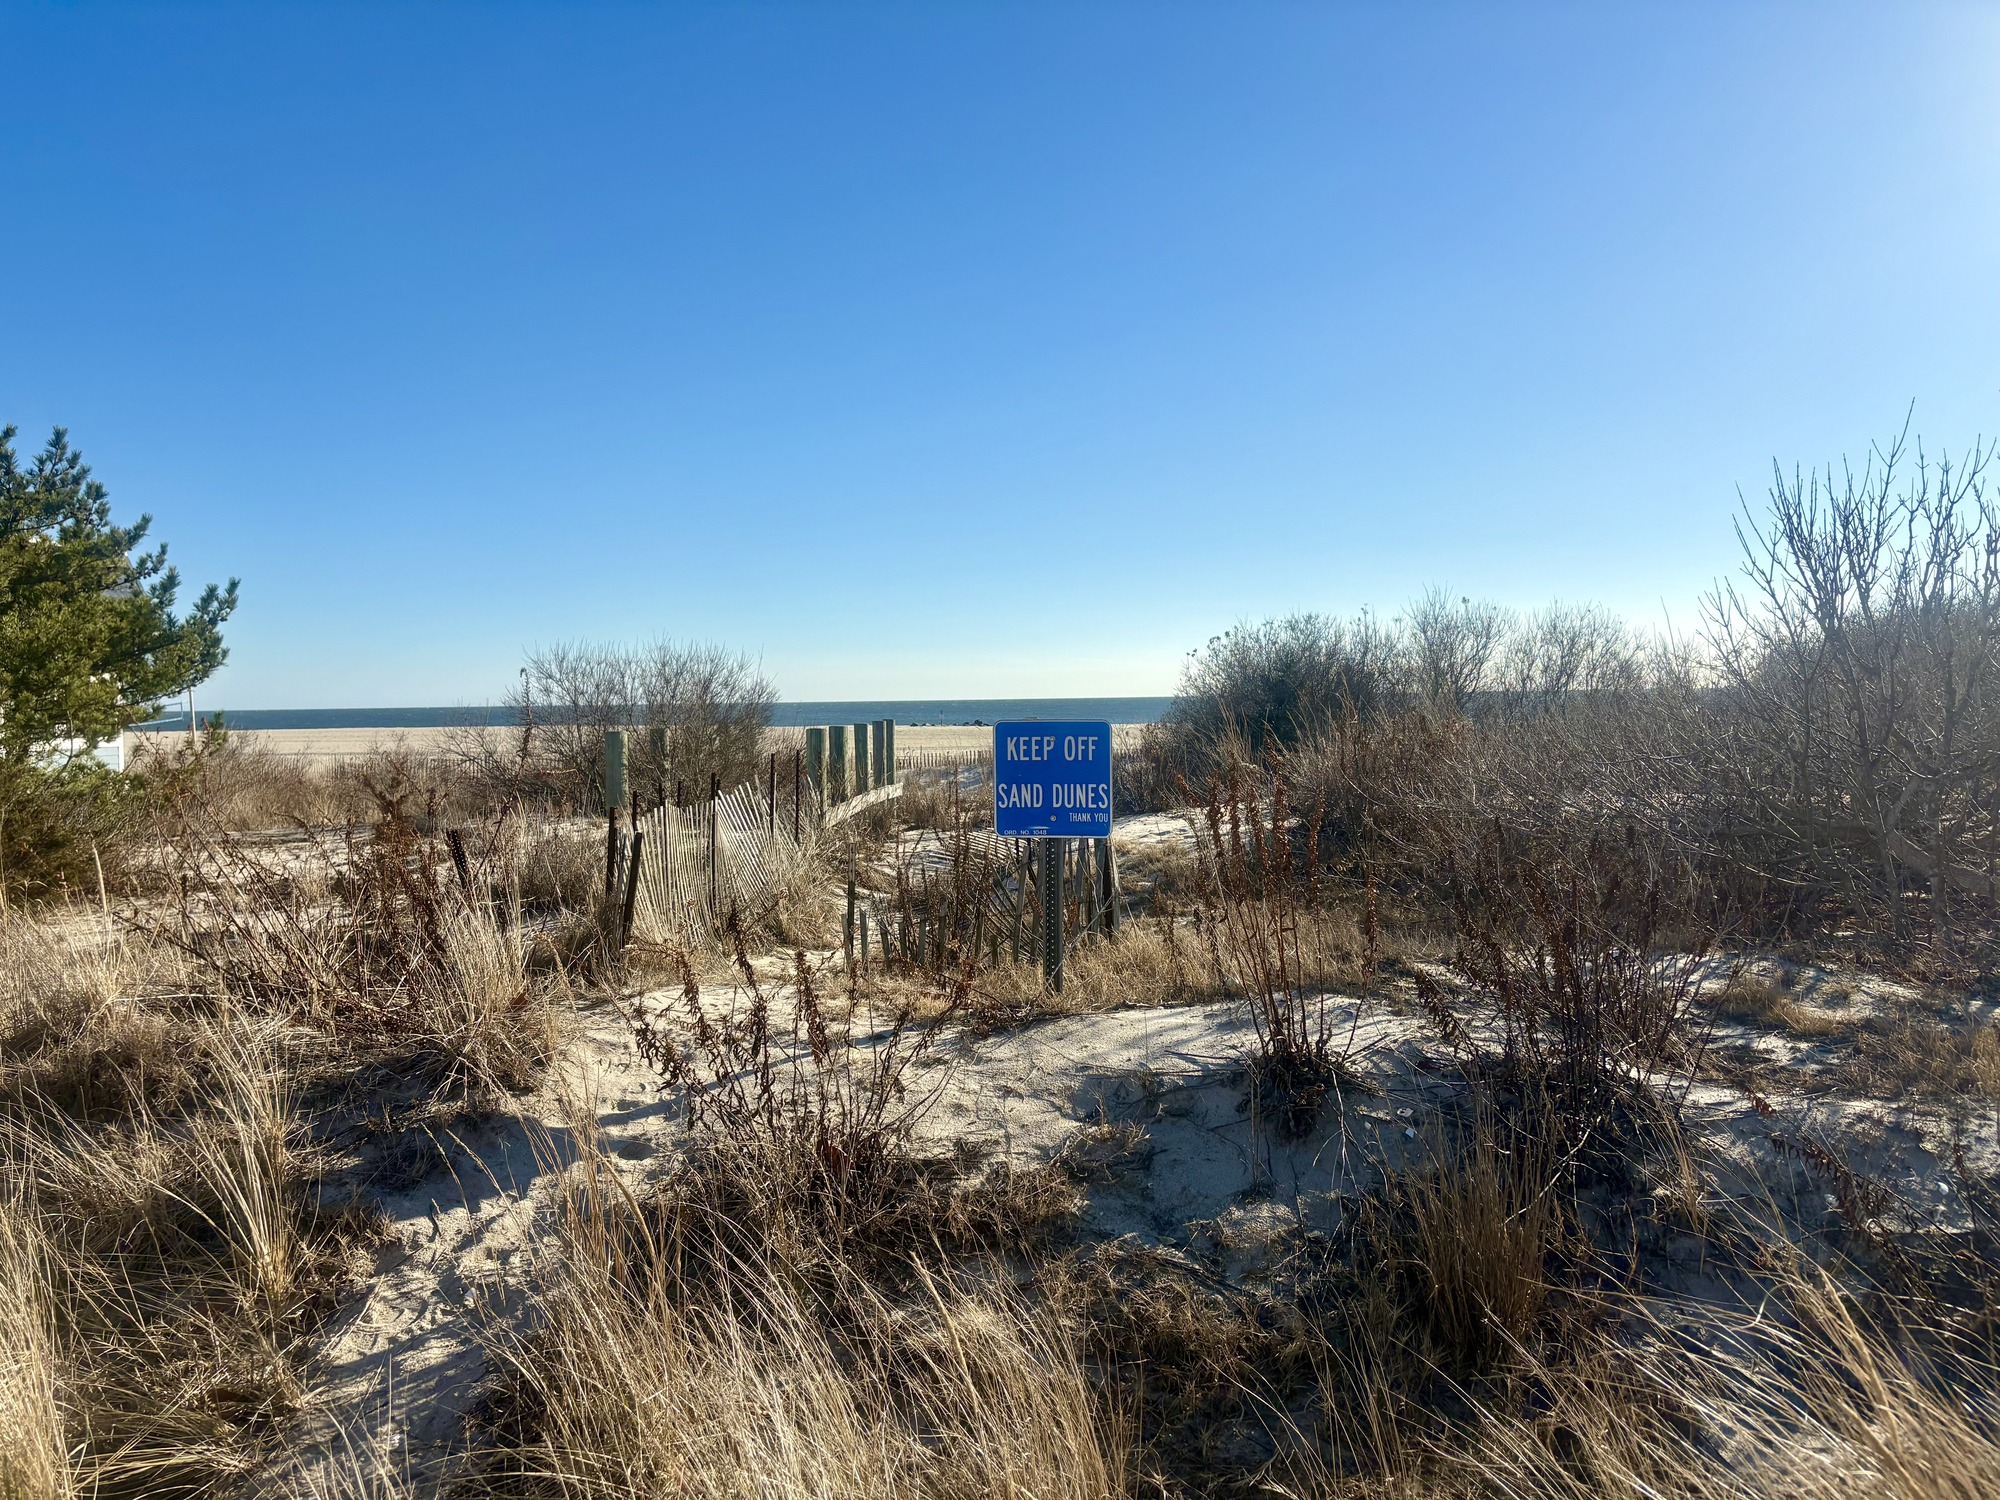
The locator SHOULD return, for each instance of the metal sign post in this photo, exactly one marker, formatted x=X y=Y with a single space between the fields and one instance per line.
x=1052 y=781
x=1052 y=915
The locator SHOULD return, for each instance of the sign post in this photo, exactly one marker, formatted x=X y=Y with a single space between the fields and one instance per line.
x=1052 y=781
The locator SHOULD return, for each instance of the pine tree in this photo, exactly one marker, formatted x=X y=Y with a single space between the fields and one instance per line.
x=89 y=640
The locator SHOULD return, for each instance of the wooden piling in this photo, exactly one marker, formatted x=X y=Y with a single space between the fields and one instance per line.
x=614 y=769
x=815 y=754
x=863 y=764
x=837 y=761
x=847 y=927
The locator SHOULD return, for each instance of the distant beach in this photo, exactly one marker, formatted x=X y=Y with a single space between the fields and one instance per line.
x=329 y=734
x=911 y=711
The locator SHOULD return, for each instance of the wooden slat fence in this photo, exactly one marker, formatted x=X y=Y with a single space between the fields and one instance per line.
x=733 y=854
x=944 y=760
x=739 y=852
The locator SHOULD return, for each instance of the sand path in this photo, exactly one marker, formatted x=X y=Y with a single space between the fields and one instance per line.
x=1147 y=1110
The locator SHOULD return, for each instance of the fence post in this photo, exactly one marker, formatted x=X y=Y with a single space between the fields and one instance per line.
x=656 y=740
x=631 y=890
x=862 y=764
x=1052 y=915
x=847 y=927
x=1110 y=870
x=1020 y=907
x=610 y=859
x=815 y=754
x=1086 y=885
x=836 y=764
x=614 y=769
x=884 y=771
x=889 y=747
x=714 y=836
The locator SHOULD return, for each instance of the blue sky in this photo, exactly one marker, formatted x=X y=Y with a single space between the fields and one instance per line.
x=971 y=348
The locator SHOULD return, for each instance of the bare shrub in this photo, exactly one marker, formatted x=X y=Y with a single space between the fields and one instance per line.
x=1847 y=748
x=1564 y=658
x=812 y=1112
x=1450 y=649
x=1565 y=950
x=385 y=937
x=1267 y=937
x=1263 y=685
x=702 y=710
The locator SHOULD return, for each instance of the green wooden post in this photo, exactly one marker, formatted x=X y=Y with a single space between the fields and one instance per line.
x=816 y=760
x=863 y=763
x=885 y=772
x=836 y=763
x=614 y=769
x=889 y=747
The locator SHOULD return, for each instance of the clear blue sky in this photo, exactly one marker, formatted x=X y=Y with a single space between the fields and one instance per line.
x=971 y=348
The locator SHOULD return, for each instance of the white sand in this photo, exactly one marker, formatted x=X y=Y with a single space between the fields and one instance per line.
x=1147 y=1107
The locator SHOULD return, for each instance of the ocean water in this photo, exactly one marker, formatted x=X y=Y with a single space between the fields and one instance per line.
x=902 y=710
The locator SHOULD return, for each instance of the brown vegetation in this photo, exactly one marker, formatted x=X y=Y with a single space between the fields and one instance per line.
x=1547 y=1294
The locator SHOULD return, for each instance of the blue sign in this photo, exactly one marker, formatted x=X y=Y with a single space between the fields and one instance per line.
x=1052 y=779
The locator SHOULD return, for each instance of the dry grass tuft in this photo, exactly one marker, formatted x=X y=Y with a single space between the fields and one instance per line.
x=658 y=1370
x=1478 y=1232
x=34 y=1445
x=244 y=1163
x=1749 y=1000
x=1819 y=1404
x=396 y=941
x=1912 y=1055
x=1151 y=961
